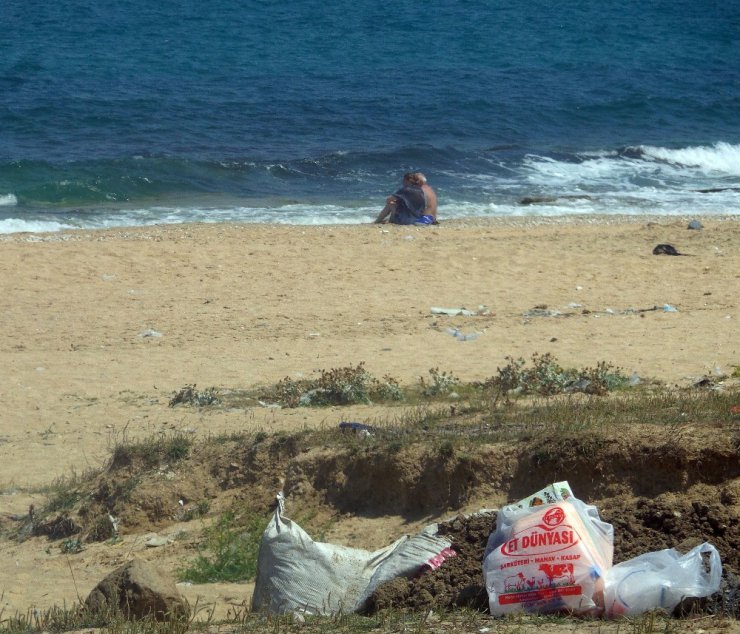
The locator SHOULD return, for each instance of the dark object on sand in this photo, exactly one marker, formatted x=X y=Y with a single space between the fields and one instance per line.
x=666 y=249
x=695 y=225
x=356 y=427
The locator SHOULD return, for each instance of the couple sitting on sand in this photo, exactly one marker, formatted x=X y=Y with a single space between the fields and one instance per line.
x=414 y=204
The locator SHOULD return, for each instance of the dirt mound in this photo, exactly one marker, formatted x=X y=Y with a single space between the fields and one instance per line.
x=642 y=525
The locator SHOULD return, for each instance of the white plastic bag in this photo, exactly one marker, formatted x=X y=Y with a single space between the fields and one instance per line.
x=297 y=574
x=548 y=557
x=661 y=580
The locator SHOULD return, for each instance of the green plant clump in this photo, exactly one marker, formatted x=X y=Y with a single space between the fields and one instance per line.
x=338 y=386
x=441 y=383
x=188 y=395
x=71 y=546
x=546 y=377
x=229 y=551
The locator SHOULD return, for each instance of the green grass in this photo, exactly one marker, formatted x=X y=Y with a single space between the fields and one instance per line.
x=66 y=491
x=152 y=452
x=229 y=550
x=242 y=621
x=355 y=385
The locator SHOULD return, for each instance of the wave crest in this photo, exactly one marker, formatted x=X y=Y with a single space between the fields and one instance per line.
x=720 y=157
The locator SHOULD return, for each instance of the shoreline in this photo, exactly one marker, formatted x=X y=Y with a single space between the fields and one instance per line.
x=456 y=223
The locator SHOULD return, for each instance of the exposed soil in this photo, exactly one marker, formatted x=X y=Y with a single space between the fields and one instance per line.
x=641 y=526
x=657 y=493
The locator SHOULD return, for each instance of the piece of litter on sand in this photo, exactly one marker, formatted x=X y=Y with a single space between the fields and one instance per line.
x=362 y=430
x=150 y=333
x=541 y=312
x=460 y=336
x=453 y=312
x=359 y=428
x=667 y=308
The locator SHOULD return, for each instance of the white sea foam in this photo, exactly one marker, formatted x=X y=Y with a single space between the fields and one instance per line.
x=16 y=225
x=560 y=175
x=720 y=157
x=637 y=203
x=8 y=200
x=655 y=174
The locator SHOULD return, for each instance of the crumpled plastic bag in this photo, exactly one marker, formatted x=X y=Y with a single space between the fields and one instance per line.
x=661 y=579
x=297 y=574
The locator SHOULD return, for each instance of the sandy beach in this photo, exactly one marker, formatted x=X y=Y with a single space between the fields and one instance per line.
x=98 y=329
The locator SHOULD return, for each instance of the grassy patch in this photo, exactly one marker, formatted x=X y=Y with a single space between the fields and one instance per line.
x=150 y=453
x=189 y=395
x=449 y=428
x=338 y=386
x=229 y=551
x=389 y=621
x=65 y=492
x=351 y=385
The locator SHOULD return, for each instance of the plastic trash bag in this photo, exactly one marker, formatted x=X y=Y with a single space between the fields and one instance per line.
x=549 y=553
x=661 y=580
x=297 y=574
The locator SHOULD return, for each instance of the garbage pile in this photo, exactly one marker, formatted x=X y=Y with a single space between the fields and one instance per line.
x=552 y=553
x=548 y=553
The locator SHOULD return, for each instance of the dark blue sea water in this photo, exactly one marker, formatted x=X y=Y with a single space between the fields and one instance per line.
x=139 y=112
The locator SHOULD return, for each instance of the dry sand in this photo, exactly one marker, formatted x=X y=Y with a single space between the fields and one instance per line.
x=99 y=329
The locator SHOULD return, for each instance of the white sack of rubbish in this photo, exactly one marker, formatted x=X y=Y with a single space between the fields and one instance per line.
x=297 y=574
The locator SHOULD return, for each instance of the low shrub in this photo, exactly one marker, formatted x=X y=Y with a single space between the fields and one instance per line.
x=229 y=551
x=189 y=395
x=546 y=377
x=338 y=386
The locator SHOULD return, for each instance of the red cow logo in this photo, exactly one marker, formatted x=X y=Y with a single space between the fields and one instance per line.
x=554 y=516
x=558 y=574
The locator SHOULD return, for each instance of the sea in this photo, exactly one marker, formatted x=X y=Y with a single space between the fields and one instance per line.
x=133 y=112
